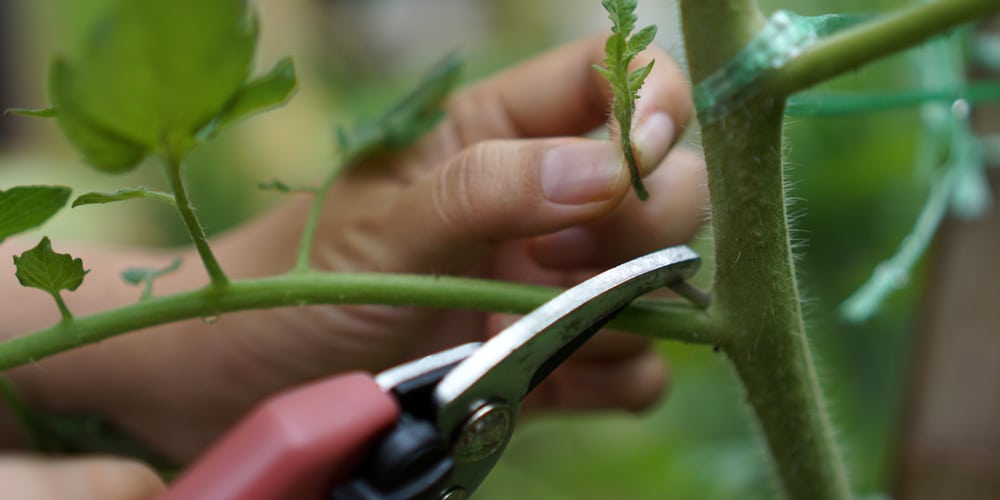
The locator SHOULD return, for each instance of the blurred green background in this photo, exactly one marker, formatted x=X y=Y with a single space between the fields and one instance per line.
x=856 y=195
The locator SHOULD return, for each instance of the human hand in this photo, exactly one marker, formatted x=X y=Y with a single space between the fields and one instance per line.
x=33 y=478
x=499 y=190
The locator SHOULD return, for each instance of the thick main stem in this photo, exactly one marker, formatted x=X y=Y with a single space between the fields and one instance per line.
x=755 y=297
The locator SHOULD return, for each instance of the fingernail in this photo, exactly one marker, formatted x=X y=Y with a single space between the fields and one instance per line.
x=581 y=172
x=653 y=138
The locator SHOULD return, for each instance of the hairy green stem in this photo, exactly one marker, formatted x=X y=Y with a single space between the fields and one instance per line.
x=303 y=261
x=755 y=299
x=657 y=318
x=362 y=145
x=186 y=210
x=849 y=49
x=756 y=302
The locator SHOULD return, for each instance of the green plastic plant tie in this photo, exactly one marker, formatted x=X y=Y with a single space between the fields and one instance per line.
x=958 y=185
x=784 y=36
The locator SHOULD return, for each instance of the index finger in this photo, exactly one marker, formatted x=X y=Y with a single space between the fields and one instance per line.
x=559 y=93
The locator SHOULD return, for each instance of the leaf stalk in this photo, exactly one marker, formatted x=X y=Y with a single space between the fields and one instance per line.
x=654 y=318
x=190 y=217
x=64 y=311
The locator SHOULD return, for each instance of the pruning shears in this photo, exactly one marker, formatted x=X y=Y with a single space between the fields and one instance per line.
x=429 y=429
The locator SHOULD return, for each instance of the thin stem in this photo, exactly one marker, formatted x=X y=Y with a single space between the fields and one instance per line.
x=361 y=145
x=303 y=262
x=847 y=103
x=653 y=318
x=864 y=43
x=193 y=225
x=888 y=274
x=63 y=309
x=26 y=418
x=160 y=197
x=693 y=295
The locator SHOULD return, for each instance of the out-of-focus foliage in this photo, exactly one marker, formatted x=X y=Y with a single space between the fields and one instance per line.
x=149 y=76
x=26 y=207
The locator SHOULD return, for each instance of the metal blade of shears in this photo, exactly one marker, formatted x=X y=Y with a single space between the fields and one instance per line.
x=479 y=399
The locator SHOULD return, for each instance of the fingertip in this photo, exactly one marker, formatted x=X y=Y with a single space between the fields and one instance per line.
x=651 y=379
x=29 y=476
x=500 y=190
x=662 y=110
x=677 y=209
x=582 y=171
x=113 y=477
x=653 y=138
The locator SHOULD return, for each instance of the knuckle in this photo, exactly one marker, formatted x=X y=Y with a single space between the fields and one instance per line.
x=453 y=191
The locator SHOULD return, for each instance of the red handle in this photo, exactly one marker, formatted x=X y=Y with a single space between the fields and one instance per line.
x=294 y=445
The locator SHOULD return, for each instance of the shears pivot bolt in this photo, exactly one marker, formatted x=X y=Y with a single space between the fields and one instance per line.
x=484 y=432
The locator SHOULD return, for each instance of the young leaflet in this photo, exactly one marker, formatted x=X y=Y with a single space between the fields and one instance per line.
x=621 y=48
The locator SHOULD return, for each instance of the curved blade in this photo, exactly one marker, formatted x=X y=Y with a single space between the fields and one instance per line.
x=511 y=364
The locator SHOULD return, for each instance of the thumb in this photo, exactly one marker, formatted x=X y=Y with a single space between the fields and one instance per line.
x=506 y=189
x=32 y=478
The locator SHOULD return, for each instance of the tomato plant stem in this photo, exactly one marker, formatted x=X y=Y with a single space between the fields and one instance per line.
x=64 y=311
x=186 y=210
x=755 y=297
x=849 y=49
x=661 y=319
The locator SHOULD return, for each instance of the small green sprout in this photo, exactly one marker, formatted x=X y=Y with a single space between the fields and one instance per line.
x=621 y=48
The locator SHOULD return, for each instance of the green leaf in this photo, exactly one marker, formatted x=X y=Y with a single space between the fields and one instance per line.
x=409 y=118
x=622 y=15
x=146 y=275
x=637 y=77
x=620 y=49
x=614 y=52
x=26 y=207
x=123 y=194
x=140 y=275
x=46 y=270
x=639 y=41
x=268 y=91
x=606 y=73
x=151 y=73
x=37 y=113
x=100 y=147
x=420 y=110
